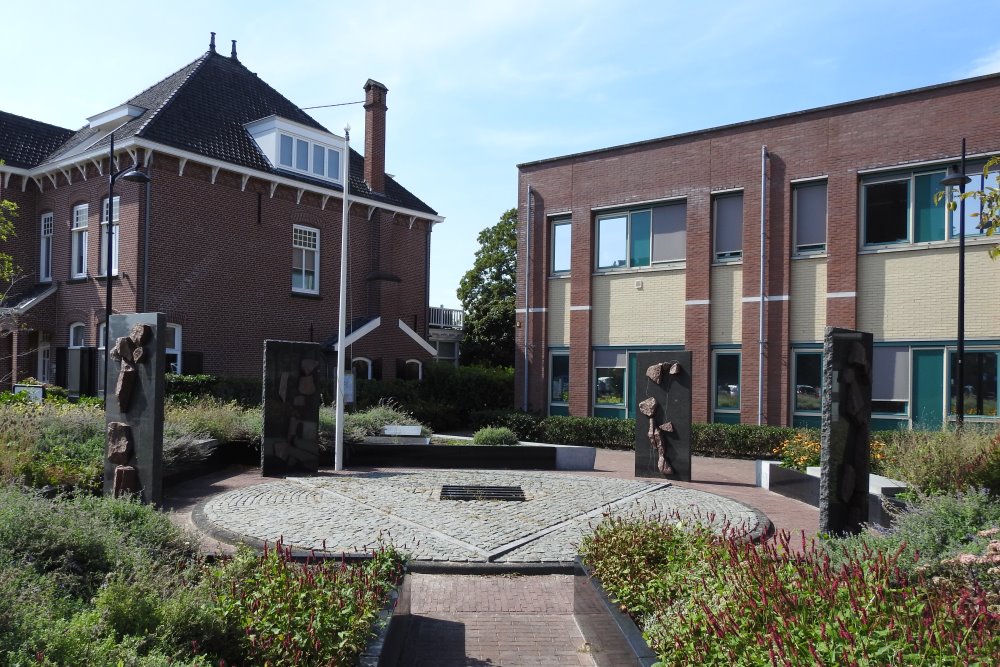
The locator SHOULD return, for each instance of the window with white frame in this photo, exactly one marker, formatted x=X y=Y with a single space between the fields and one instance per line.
x=115 y=226
x=44 y=362
x=727 y=226
x=642 y=237
x=979 y=383
x=809 y=212
x=362 y=367
x=559 y=372
x=609 y=378
x=413 y=369
x=808 y=381
x=77 y=334
x=727 y=381
x=308 y=157
x=102 y=333
x=45 y=249
x=79 y=242
x=305 y=259
x=562 y=237
x=902 y=209
x=172 y=349
x=890 y=379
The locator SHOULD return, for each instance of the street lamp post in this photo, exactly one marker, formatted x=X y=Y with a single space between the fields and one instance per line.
x=959 y=178
x=135 y=176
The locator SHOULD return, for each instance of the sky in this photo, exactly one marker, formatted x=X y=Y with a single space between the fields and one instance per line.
x=476 y=88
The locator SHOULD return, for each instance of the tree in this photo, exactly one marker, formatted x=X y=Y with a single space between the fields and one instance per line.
x=8 y=210
x=487 y=293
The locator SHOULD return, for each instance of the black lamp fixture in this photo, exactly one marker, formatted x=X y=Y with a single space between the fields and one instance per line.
x=134 y=175
x=956 y=176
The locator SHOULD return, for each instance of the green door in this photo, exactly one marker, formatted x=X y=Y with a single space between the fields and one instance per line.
x=927 y=406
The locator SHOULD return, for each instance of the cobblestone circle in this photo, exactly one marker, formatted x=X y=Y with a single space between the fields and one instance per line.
x=351 y=512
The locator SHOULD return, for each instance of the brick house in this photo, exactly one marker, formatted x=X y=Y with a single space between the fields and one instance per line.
x=236 y=239
x=657 y=245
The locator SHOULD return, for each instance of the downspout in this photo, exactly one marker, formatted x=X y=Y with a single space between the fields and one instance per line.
x=527 y=299
x=145 y=254
x=763 y=295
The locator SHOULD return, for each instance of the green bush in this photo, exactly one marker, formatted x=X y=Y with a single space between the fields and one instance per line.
x=705 y=599
x=367 y=423
x=208 y=417
x=738 y=441
x=494 y=436
x=245 y=391
x=590 y=431
x=526 y=425
x=945 y=461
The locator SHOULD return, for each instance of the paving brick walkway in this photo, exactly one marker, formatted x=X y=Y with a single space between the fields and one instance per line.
x=514 y=620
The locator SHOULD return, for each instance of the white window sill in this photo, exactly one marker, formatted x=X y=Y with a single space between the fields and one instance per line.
x=926 y=245
x=809 y=255
x=664 y=266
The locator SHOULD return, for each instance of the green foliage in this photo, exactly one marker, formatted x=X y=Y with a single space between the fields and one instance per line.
x=292 y=614
x=367 y=423
x=208 y=417
x=245 y=391
x=487 y=293
x=97 y=581
x=446 y=396
x=494 y=436
x=589 y=431
x=930 y=529
x=721 y=600
x=8 y=211
x=989 y=199
x=738 y=441
x=525 y=425
x=944 y=461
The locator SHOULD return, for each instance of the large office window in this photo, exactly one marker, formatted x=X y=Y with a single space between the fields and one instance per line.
x=973 y=206
x=305 y=259
x=642 y=237
x=45 y=249
x=891 y=379
x=727 y=382
x=809 y=211
x=727 y=226
x=902 y=209
x=115 y=227
x=562 y=237
x=79 y=242
x=609 y=378
x=808 y=381
x=979 y=383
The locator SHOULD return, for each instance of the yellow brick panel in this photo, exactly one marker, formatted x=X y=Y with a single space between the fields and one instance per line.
x=727 y=304
x=913 y=295
x=558 y=316
x=623 y=314
x=808 y=300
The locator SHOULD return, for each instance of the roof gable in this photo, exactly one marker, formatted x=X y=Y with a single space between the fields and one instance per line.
x=25 y=143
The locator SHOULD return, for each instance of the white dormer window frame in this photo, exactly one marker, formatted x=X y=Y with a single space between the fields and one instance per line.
x=298 y=148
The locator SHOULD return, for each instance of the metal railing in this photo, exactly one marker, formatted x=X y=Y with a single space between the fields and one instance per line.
x=448 y=318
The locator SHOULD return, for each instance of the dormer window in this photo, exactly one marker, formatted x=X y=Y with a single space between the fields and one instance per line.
x=299 y=148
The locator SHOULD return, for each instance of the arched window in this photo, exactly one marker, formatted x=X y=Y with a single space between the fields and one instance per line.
x=77 y=334
x=413 y=369
x=362 y=368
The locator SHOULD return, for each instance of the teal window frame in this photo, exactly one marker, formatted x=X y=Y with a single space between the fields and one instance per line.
x=800 y=221
x=553 y=355
x=561 y=225
x=804 y=393
x=978 y=389
x=639 y=237
x=886 y=391
x=715 y=381
x=926 y=221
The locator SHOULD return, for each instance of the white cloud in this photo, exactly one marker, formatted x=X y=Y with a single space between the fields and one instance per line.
x=988 y=64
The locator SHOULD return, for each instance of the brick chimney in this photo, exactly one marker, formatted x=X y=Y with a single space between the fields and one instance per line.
x=375 y=110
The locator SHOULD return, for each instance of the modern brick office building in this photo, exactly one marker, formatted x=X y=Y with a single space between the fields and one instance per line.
x=236 y=239
x=742 y=243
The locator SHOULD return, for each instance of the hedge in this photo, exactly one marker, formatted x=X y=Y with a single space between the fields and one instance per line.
x=245 y=391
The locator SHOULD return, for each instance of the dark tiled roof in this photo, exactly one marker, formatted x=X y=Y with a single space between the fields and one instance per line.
x=203 y=108
x=25 y=143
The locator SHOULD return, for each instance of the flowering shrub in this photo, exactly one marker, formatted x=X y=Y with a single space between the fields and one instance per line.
x=707 y=599
x=803 y=450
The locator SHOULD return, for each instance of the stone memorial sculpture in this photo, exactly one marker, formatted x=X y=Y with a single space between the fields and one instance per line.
x=846 y=417
x=663 y=422
x=292 y=396
x=134 y=411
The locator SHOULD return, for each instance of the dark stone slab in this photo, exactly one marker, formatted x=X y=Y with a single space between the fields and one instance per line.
x=673 y=404
x=292 y=376
x=614 y=639
x=451 y=456
x=846 y=420
x=794 y=484
x=135 y=404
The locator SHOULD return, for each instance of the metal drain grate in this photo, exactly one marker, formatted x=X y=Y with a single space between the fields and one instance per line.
x=474 y=492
